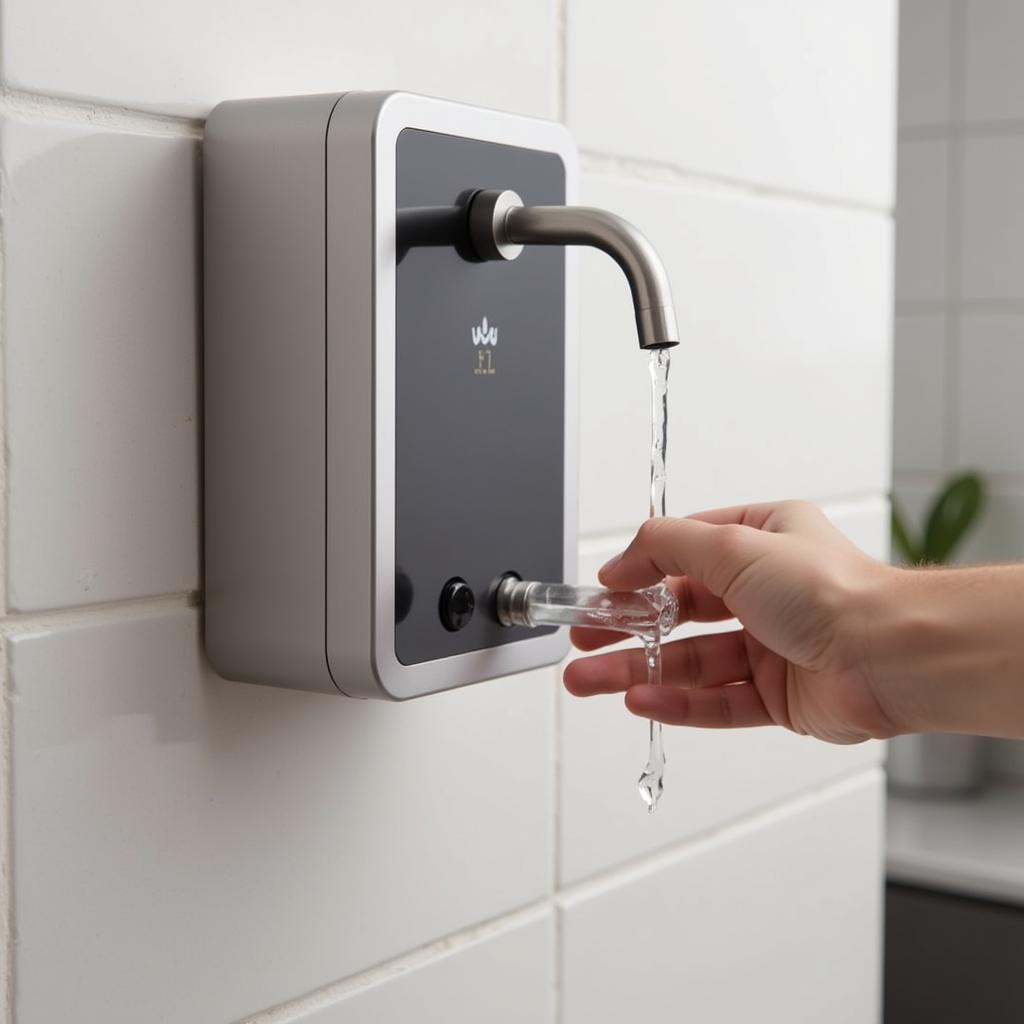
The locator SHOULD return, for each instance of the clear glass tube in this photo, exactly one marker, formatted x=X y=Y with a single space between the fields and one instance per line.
x=649 y=613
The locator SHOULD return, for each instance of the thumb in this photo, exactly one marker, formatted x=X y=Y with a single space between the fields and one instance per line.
x=711 y=554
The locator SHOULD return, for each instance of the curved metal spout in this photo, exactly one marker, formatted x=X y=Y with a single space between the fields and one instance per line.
x=499 y=226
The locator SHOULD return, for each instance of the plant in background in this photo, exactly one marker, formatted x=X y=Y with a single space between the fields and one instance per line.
x=954 y=511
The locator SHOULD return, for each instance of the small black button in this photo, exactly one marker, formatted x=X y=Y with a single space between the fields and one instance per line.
x=456 y=605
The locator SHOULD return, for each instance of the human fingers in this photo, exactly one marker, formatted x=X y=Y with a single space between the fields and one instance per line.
x=698 y=661
x=774 y=516
x=710 y=554
x=696 y=604
x=724 y=707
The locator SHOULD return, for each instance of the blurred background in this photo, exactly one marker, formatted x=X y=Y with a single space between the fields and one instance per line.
x=955 y=926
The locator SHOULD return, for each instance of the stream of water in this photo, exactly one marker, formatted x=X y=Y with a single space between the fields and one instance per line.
x=652 y=779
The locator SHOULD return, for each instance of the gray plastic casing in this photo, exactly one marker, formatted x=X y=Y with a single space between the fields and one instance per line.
x=299 y=391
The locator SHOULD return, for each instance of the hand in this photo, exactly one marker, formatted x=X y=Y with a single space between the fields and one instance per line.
x=809 y=603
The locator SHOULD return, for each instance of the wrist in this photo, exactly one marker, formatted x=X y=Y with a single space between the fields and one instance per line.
x=948 y=650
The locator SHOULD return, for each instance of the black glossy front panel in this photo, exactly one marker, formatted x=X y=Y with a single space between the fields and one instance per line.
x=479 y=407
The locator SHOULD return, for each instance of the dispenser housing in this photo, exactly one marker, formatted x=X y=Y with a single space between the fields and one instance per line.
x=389 y=420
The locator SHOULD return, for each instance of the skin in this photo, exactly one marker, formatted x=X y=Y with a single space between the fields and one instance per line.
x=832 y=644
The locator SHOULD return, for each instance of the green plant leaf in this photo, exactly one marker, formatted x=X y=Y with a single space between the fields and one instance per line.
x=952 y=514
x=909 y=551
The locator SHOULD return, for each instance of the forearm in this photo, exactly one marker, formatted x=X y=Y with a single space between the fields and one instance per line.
x=948 y=650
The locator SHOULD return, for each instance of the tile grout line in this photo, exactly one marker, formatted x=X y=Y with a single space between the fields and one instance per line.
x=954 y=236
x=292 y=1010
x=562 y=53
x=949 y=305
x=641 y=867
x=21 y=103
x=6 y=754
x=16 y=102
x=667 y=173
x=595 y=542
x=958 y=127
x=20 y=623
x=1011 y=484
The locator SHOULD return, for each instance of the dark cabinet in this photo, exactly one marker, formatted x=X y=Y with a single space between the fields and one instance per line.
x=951 y=959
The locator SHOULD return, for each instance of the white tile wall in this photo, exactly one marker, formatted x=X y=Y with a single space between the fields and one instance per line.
x=921 y=220
x=993 y=70
x=993 y=228
x=713 y=777
x=785 y=355
x=101 y=340
x=919 y=393
x=784 y=94
x=188 y=848
x=924 y=61
x=976 y=229
x=505 y=979
x=187 y=56
x=991 y=422
x=776 y=922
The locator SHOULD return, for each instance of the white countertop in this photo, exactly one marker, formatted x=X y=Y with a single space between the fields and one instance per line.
x=971 y=846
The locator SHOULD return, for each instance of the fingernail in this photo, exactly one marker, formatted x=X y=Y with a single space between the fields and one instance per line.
x=611 y=563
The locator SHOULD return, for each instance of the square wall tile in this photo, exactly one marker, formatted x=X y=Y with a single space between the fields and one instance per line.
x=185 y=57
x=713 y=776
x=994 y=72
x=780 y=386
x=188 y=848
x=778 y=920
x=790 y=94
x=919 y=399
x=991 y=415
x=993 y=230
x=922 y=220
x=101 y=389
x=924 y=62
x=504 y=979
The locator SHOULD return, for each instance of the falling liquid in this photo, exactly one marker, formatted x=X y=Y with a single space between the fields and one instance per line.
x=651 y=783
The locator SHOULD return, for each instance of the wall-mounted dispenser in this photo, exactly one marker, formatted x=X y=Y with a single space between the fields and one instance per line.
x=390 y=386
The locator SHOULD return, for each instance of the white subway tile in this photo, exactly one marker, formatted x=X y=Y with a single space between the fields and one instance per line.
x=101 y=342
x=790 y=94
x=505 y=979
x=780 y=385
x=924 y=61
x=991 y=414
x=778 y=921
x=919 y=406
x=922 y=220
x=185 y=57
x=993 y=228
x=993 y=72
x=713 y=776
x=188 y=848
